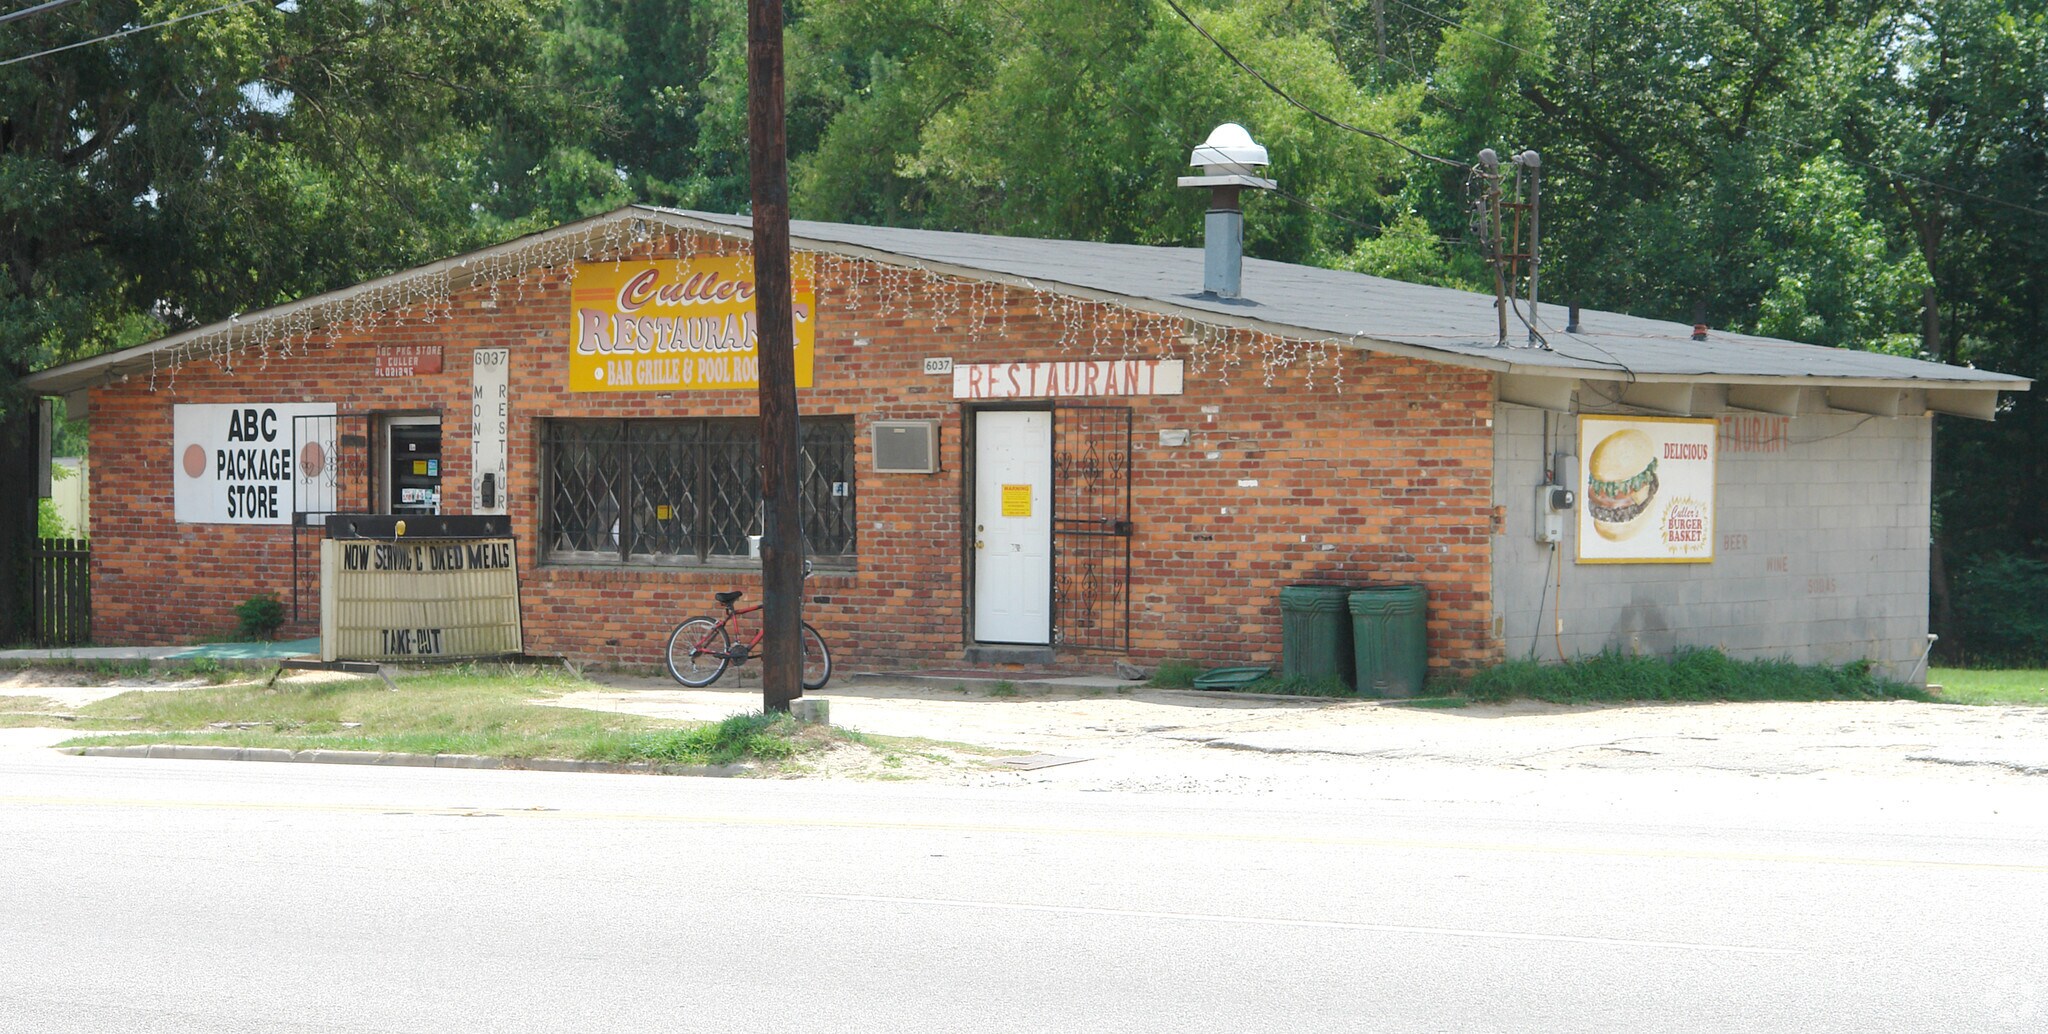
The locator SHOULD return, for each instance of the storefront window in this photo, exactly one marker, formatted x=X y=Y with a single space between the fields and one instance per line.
x=684 y=491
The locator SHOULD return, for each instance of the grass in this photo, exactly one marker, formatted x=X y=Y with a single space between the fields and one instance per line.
x=1691 y=675
x=23 y=712
x=1992 y=685
x=1175 y=675
x=447 y=711
x=1301 y=686
x=1610 y=677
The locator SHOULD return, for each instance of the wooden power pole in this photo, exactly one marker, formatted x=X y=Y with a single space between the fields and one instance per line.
x=782 y=530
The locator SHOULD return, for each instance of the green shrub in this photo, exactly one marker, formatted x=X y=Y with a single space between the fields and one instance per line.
x=260 y=615
x=2001 y=612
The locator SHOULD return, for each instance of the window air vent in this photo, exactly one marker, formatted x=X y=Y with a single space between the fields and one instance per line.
x=906 y=446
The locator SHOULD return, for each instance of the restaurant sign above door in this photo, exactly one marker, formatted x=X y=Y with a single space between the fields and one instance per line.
x=1082 y=379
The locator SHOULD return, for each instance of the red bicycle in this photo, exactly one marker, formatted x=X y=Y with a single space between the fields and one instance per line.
x=700 y=649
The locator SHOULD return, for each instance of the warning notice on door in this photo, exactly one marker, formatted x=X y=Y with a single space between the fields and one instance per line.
x=1016 y=500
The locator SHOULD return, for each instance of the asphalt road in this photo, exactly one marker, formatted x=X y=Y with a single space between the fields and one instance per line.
x=199 y=896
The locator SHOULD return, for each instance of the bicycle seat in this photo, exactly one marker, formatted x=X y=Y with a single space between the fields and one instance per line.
x=727 y=598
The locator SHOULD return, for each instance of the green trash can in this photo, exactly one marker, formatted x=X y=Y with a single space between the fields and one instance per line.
x=1315 y=635
x=1390 y=632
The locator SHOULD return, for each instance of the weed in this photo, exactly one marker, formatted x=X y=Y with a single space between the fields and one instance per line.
x=206 y=668
x=1178 y=674
x=1302 y=686
x=1004 y=688
x=768 y=737
x=1690 y=675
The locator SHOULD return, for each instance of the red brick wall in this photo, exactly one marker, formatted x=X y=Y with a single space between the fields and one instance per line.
x=1386 y=478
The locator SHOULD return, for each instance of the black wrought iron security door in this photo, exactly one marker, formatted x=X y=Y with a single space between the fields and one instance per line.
x=1091 y=527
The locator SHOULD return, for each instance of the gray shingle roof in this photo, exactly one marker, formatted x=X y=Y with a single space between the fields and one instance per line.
x=1458 y=327
x=1435 y=323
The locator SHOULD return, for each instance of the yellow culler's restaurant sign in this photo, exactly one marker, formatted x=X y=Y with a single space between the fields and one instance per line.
x=1647 y=494
x=677 y=326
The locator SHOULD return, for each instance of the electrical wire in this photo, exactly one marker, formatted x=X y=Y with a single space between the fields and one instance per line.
x=1558 y=610
x=1536 y=634
x=2030 y=210
x=25 y=12
x=124 y=32
x=1461 y=28
x=1283 y=95
x=1760 y=132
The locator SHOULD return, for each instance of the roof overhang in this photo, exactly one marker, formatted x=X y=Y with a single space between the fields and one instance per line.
x=1521 y=379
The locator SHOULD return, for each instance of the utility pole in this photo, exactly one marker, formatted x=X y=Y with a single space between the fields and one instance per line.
x=1379 y=26
x=782 y=530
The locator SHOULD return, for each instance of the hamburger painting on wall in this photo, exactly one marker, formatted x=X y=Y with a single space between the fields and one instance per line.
x=1647 y=494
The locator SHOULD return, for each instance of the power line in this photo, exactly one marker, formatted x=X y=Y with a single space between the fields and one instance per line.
x=1760 y=132
x=26 y=12
x=123 y=32
x=1902 y=175
x=1461 y=28
x=1283 y=95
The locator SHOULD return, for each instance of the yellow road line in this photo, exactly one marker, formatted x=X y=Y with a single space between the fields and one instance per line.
x=1320 y=924
x=778 y=822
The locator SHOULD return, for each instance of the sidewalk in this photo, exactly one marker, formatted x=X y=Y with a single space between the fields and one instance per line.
x=217 y=651
x=1125 y=725
x=1101 y=733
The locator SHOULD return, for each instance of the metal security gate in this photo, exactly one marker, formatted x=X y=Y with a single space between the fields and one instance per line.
x=60 y=577
x=1091 y=527
x=331 y=459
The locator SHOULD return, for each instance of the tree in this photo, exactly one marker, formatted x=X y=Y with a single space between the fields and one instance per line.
x=174 y=176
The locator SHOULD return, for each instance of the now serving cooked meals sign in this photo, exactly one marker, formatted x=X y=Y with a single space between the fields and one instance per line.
x=1646 y=490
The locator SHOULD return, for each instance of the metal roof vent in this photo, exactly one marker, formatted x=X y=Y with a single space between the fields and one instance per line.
x=1230 y=161
x=1230 y=150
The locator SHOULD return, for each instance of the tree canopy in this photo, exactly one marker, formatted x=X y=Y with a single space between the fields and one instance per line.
x=1856 y=173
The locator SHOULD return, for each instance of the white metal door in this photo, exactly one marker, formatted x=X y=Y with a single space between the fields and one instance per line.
x=1013 y=527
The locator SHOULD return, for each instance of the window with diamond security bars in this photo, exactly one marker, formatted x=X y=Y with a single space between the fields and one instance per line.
x=684 y=491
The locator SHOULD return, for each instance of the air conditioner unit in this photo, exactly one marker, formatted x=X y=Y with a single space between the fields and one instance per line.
x=906 y=446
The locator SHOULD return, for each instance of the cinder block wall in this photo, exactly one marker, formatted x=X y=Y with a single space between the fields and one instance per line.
x=1821 y=549
x=1384 y=478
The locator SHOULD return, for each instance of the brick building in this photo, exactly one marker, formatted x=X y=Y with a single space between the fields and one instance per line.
x=1049 y=452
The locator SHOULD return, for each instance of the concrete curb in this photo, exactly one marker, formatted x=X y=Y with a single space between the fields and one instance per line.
x=187 y=752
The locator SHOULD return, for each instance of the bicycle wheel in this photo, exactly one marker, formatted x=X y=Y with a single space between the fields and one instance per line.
x=817 y=659
x=698 y=652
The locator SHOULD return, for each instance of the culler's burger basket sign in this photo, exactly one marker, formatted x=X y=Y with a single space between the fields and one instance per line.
x=1647 y=490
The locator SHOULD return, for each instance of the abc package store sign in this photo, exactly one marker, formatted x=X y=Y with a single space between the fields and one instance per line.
x=234 y=464
x=677 y=326
x=1646 y=490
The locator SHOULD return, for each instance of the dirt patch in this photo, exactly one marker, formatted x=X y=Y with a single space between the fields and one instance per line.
x=73 y=687
x=1162 y=738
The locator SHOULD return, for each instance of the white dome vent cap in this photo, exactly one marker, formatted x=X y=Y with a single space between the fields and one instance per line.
x=1230 y=148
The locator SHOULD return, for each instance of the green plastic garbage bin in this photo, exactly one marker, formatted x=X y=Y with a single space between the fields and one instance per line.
x=1315 y=636
x=1390 y=633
